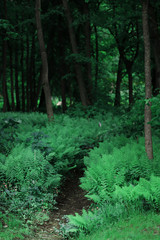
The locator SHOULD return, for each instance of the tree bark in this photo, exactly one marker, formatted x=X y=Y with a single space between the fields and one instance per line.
x=4 y=76
x=11 y=77
x=118 y=83
x=97 y=57
x=63 y=93
x=4 y=51
x=27 y=73
x=87 y=30
x=45 y=81
x=22 y=75
x=16 y=79
x=83 y=93
x=32 y=72
x=130 y=80
x=37 y=93
x=155 y=37
x=148 y=87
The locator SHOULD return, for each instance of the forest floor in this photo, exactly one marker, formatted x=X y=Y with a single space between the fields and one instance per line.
x=71 y=200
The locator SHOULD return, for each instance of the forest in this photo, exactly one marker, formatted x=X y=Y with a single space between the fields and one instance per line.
x=79 y=119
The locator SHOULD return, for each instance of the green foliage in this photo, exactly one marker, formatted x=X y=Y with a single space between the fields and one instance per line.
x=8 y=134
x=40 y=218
x=12 y=227
x=29 y=182
x=107 y=168
x=146 y=194
x=155 y=115
x=93 y=219
x=137 y=226
x=23 y=166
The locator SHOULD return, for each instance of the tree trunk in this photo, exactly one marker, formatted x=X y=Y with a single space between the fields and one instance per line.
x=97 y=57
x=27 y=74
x=63 y=92
x=155 y=37
x=22 y=75
x=5 y=101
x=82 y=89
x=87 y=30
x=42 y=101
x=32 y=72
x=118 y=83
x=130 y=81
x=37 y=93
x=148 y=88
x=11 y=77
x=4 y=84
x=45 y=81
x=16 y=79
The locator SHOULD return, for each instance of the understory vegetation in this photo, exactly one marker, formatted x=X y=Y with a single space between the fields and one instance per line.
x=36 y=156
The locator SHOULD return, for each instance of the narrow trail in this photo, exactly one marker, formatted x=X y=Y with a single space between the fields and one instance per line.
x=71 y=200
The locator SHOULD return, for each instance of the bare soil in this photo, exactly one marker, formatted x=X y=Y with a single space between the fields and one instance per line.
x=71 y=200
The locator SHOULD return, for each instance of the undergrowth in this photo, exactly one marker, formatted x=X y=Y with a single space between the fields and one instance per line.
x=36 y=155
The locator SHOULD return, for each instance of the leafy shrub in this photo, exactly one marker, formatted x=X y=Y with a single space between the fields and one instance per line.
x=30 y=181
x=7 y=134
x=93 y=219
x=145 y=195
x=11 y=226
x=108 y=168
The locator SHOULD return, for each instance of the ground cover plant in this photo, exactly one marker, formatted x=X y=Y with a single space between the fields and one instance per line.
x=137 y=226
x=79 y=99
x=36 y=157
x=120 y=179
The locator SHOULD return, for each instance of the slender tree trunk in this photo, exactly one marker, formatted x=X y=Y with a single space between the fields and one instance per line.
x=97 y=56
x=130 y=81
x=37 y=93
x=45 y=81
x=4 y=76
x=148 y=87
x=155 y=37
x=87 y=30
x=22 y=75
x=11 y=77
x=82 y=89
x=63 y=92
x=42 y=100
x=27 y=74
x=118 y=83
x=4 y=51
x=32 y=72
x=16 y=78
x=35 y=85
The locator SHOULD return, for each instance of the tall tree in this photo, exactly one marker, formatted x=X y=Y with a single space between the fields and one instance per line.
x=22 y=74
x=118 y=83
x=82 y=88
x=27 y=73
x=4 y=59
x=125 y=30
x=16 y=77
x=45 y=81
x=11 y=76
x=155 y=43
x=148 y=86
x=87 y=30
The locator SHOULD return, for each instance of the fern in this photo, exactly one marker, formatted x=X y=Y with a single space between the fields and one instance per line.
x=105 y=171
x=25 y=166
x=146 y=192
x=92 y=219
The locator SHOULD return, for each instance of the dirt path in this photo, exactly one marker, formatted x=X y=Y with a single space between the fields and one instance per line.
x=70 y=201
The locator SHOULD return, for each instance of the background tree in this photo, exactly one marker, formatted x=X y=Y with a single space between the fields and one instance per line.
x=45 y=82
x=148 y=88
